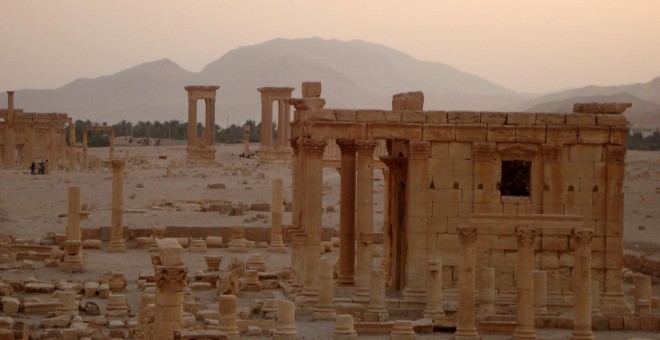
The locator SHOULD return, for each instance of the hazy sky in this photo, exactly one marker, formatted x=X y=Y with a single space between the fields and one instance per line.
x=528 y=46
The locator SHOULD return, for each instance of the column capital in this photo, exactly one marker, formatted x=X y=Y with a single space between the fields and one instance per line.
x=418 y=149
x=365 y=145
x=118 y=164
x=171 y=278
x=526 y=236
x=551 y=152
x=294 y=145
x=467 y=234
x=346 y=144
x=615 y=154
x=583 y=236
x=313 y=146
x=483 y=151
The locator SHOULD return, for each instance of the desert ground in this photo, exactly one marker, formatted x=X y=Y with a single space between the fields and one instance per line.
x=33 y=207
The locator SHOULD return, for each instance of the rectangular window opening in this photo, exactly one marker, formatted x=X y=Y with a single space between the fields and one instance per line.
x=515 y=179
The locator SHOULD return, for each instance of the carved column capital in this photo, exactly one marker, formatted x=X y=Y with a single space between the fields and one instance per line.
x=366 y=146
x=171 y=279
x=615 y=154
x=583 y=236
x=314 y=147
x=526 y=236
x=552 y=153
x=418 y=149
x=467 y=234
x=483 y=151
x=346 y=145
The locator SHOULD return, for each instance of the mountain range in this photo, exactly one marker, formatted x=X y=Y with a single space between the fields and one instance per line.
x=354 y=74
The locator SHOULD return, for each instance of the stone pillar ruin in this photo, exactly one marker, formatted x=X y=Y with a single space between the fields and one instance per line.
x=643 y=294
x=117 y=242
x=201 y=148
x=434 y=309
x=277 y=210
x=227 y=321
x=346 y=273
x=84 y=166
x=170 y=282
x=324 y=309
x=465 y=320
x=344 y=328
x=275 y=151
x=364 y=215
x=286 y=322
x=582 y=281
x=312 y=221
x=73 y=214
x=525 y=284
x=487 y=291
x=417 y=180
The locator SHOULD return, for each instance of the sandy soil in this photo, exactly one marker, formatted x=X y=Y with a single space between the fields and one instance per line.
x=33 y=206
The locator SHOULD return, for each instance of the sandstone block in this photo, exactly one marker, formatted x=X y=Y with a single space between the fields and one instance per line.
x=471 y=132
x=581 y=119
x=393 y=116
x=530 y=133
x=436 y=117
x=413 y=117
x=501 y=133
x=618 y=135
x=593 y=134
x=550 y=119
x=611 y=120
x=311 y=89
x=370 y=116
x=607 y=108
x=463 y=117
x=521 y=118
x=439 y=132
x=561 y=134
x=345 y=115
x=493 y=118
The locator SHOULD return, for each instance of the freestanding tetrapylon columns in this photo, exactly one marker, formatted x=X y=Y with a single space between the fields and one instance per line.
x=201 y=148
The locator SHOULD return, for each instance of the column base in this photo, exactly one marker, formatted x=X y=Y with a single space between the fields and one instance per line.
x=117 y=246
x=467 y=335
x=582 y=335
x=305 y=300
x=346 y=280
x=524 y=334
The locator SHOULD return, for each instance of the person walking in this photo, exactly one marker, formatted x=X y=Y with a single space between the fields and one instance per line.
x=33 y=168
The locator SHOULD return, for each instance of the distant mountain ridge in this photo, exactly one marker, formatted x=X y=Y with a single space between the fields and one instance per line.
x=354 y=74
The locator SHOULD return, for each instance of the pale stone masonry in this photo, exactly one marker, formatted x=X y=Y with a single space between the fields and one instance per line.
x=27 y=137
x=492 y=170
x=275 y=150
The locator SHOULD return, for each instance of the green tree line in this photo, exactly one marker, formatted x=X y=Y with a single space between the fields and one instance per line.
x=637 y=141
x=171 y=129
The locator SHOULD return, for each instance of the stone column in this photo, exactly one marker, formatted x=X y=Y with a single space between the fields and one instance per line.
x=416 y=221
x=376 y=310
x=285 y=125
x=227 y=321
x=170 y=282
x=525 y=284
x=50 y=149
x=30 y=144
x=85 y=167
x=487 y=291
x=277 y=210
x=281 y=137
x=9 y=158
x=324 y=309
x=117 y=242
x=72 y=146
x=613 y=301
x=312 y=221
x=582 y=280
x=465 y=320
x=192 y=121
x=73 y=215
x=266 y=122
x=540 y=292
x=286 y=322
x=346 y=273
x=385 y=261
x=364 y=215
x=434 y=309
x=208 y=122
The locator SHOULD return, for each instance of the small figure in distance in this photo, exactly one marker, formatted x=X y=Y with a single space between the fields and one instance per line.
x=33 y=168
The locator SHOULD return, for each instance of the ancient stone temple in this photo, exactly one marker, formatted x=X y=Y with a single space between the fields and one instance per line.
x=34 y=137
x=201 y=147
x=275 y=150
x=501 y=174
